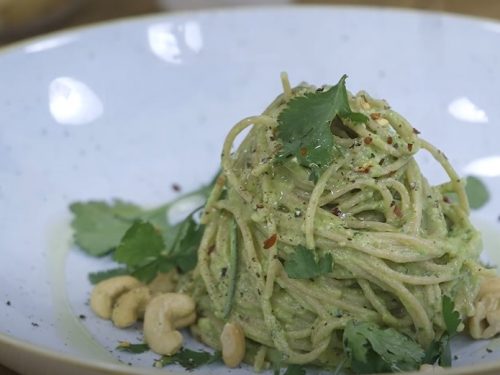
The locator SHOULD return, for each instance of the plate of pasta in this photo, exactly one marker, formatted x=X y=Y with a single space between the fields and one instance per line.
x=320 y=195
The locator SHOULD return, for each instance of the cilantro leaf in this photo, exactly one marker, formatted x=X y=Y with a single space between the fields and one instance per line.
x=302 y=265
x=125 y=346
x=185 y=246
x=99 y=226
x=147 y=272
x=372 y=349
x=439 y=350
x=96 y=277
x=143 y=240
x=141 y=243
x=477 y=193
x=304 y=126
x=146 y=253
x=450 y=316
x=189 y=359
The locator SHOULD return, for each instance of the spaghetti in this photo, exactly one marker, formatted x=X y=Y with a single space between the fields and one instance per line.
x=397 y=243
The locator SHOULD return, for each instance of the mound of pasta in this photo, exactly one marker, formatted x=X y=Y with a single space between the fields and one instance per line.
x=321 y=230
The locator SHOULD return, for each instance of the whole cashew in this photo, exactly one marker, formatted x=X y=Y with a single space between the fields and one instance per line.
x=165 y=313
x=105 y=293
x=232 y=340
x=130 y=306
x=486 y=321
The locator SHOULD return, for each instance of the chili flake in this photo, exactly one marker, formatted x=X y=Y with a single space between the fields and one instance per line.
x=270 y=241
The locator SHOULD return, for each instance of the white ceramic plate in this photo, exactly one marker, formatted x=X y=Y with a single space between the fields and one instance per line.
x=126 y=109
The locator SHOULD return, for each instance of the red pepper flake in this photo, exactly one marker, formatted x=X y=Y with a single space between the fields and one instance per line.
x=270 y=241
x=303 y=151
x=375 y=116
x=389 y=140
x=368 y=140
x=416 y=131
x=176 y=187
x=336 y=211
x=446 y=199
x=211 y=249
x=397 y=211
x=410 y=146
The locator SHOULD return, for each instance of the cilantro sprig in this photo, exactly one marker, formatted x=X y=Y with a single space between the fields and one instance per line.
x=439 y=351
x=125 y=346
x=302 y=264
x=372 y=349
x=304 y=126
x=190 y=359
x=144 y=252
x=142 y=241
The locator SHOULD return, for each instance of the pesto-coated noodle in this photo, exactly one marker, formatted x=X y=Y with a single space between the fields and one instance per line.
x=397 y=243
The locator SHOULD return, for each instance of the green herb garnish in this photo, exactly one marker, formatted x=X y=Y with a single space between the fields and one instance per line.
x=372 y=349
x=477 y=193
x=189 y=359
x=99 y=226
x=142 y=240
x=145 y=253
x=304 y=126
x=302 y=264
x=451 y=317
x=439 y=351
x=125 y=346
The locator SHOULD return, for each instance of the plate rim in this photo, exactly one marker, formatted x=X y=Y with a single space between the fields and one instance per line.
x=25 y=347
x=12 y=47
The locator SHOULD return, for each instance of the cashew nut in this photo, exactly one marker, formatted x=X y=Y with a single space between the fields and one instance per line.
x=165 y=313
x=232 y=340
x=105 y=293
x=164 y=282
x=486 y=321
x=130 y=306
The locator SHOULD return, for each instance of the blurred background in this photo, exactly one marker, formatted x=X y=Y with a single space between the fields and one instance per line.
x=24 y=18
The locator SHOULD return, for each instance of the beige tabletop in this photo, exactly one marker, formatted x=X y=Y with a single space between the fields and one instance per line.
x=98 y=10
